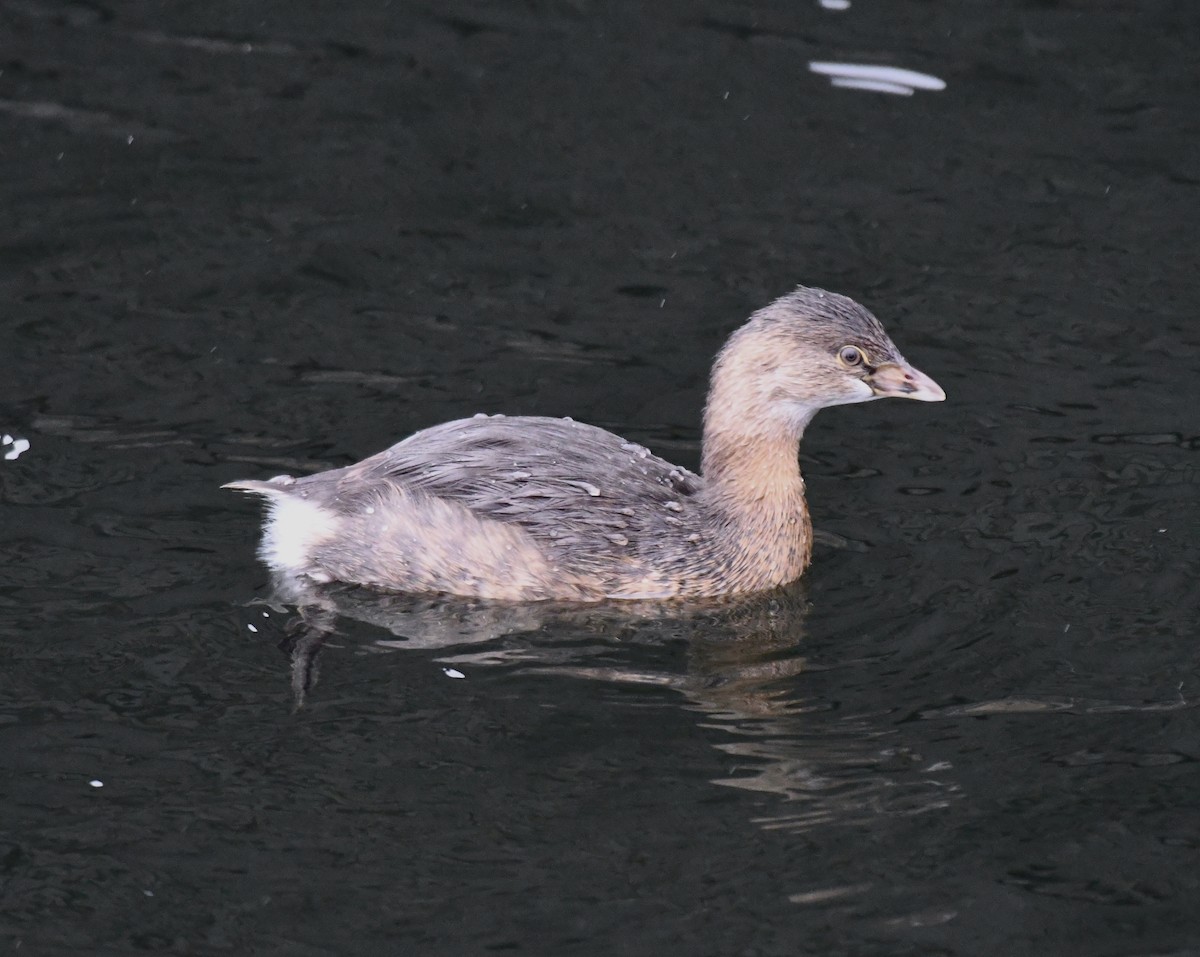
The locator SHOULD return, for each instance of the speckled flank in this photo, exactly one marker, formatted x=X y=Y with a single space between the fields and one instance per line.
x=533 y=508
x=421 y=543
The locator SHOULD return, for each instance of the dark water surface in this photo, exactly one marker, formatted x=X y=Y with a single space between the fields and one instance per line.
x=243 y=238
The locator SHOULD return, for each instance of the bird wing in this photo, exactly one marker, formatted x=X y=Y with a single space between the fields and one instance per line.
x=558 y=479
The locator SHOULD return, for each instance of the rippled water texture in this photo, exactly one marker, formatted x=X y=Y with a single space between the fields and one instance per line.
x=246 y=238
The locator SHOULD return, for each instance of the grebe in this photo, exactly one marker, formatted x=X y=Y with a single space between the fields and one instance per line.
x=529 y=508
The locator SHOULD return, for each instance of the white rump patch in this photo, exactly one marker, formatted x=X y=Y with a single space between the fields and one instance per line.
x=294 y=527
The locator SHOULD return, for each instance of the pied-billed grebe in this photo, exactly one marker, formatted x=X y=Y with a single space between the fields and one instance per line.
x=528 y=508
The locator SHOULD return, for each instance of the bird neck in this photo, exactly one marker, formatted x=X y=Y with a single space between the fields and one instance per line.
x=750 y=443
x=753 y=473
x=755 y=493
x=751 y=469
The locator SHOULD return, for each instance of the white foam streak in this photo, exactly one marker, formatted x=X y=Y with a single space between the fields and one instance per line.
x=879 y=79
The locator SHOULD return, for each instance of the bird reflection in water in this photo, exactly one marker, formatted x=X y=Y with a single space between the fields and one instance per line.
x=740 y=673
x=738 y=645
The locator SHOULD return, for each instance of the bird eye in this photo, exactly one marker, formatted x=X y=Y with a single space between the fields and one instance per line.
x=850 y=355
